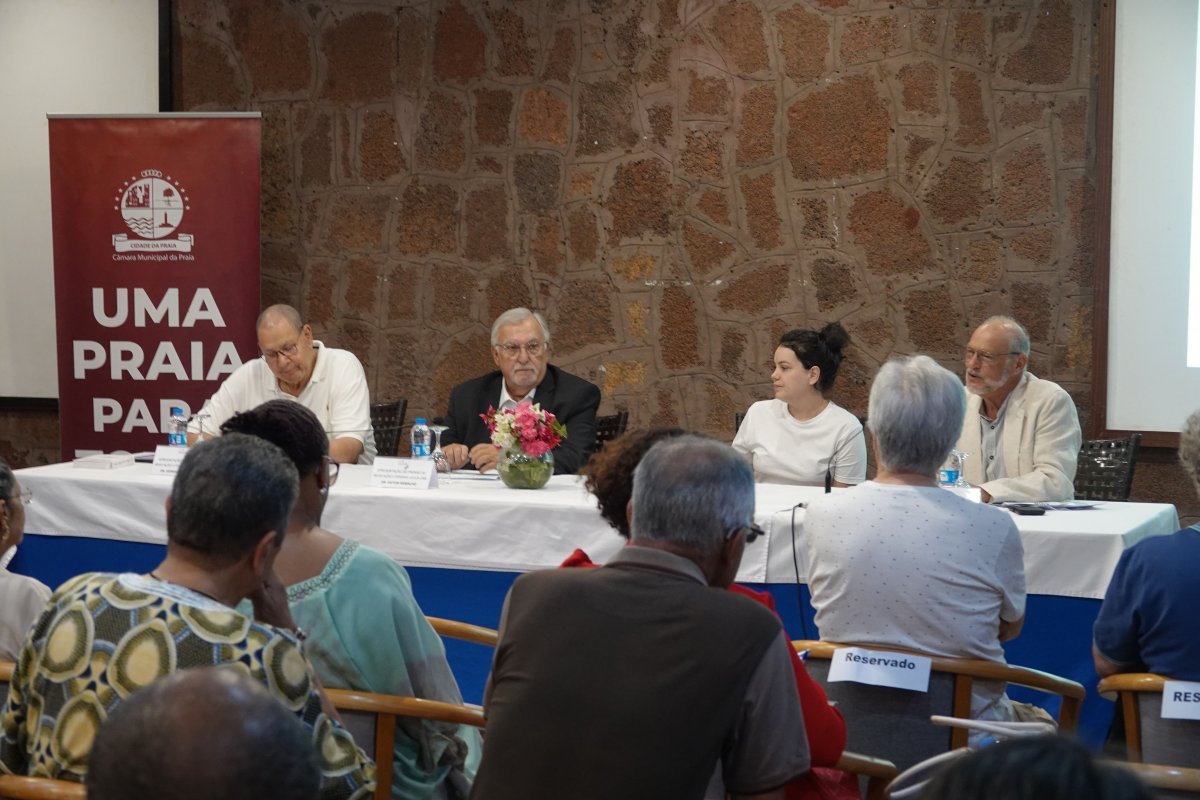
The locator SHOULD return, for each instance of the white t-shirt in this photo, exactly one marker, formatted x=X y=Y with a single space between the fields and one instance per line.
x=336 y=393
x=785 y=450
x=22 y=600
x=915 y=567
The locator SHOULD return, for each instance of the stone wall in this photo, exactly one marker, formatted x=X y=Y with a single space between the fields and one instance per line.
x=673 y=182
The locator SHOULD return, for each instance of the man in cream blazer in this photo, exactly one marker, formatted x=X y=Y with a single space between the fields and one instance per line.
x=1022 y=432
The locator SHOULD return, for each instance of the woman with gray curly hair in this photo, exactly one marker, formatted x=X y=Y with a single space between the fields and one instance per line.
x=1145 y=623
x=21 y=598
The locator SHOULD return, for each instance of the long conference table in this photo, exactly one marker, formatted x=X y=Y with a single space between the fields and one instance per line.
x=467 y=540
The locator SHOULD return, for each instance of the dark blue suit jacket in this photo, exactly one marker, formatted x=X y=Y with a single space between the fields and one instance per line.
x=571 y=399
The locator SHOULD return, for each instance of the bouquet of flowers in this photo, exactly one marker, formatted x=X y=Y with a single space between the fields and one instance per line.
x=526 y=429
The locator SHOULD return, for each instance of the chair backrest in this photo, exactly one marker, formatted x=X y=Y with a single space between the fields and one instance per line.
x=388 y=419
x=1148 y=736
x=1105 y=468
x=1166 y=782
x=371 y=720
x=20 y=787
x=894 y=723
x=465 y=631
x=738 y=416
x=876 y=773
x=610 y=426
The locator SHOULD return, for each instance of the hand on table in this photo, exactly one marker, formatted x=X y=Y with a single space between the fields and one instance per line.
x=484 y=456
x=271 y=604
x=456 y=455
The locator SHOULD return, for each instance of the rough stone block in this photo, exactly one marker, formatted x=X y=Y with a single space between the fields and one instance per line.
x=584 y=316
x=889 y=232
x=756 y=131
x=544 y=118
x=804 y=42
x=514 y=56
x=839 y=130
x=493 y=116
x=703 y=155
x=757 y=290
x=459 y=45
x=604 y=115
x=640 y=199
x=933 y=320
x=274 y=45
x=707 y=252
x=738 y=27
x=441 y=141
x=538 y=178
x=762 y=210
x=427 y=219
x=708 y=95
x=380 y=157
x=678 y=329
x=1047 y=57
x=583 y=235
x=359 y=51
x=486 y=222
x=356 y=222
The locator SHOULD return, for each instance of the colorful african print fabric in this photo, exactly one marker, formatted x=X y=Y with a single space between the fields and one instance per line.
x=103 y=637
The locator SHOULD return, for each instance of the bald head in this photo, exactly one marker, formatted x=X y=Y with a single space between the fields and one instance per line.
x=211 y=732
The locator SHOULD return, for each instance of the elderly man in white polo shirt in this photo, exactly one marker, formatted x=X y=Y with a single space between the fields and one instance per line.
x=329 y=382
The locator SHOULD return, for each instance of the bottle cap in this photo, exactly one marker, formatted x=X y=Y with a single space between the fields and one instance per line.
x=420 y=421
x=176 y=411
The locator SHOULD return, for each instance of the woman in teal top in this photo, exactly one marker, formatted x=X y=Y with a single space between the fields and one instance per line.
x=365 y=629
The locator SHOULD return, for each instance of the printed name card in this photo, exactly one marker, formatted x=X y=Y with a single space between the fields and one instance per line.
x=167 y=459
x=1181 y=700
x=880 y=668
x=971 y=493
x=404 y=473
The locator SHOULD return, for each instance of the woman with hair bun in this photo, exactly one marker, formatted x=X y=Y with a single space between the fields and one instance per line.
x=802 y=437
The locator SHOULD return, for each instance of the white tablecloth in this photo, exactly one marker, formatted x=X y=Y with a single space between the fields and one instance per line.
x=468 y=523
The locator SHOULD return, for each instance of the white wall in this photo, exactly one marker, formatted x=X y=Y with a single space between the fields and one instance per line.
x=1150 y=386
x=56 y=57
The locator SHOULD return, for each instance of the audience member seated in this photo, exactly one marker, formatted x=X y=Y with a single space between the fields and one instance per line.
x=637 y=679
x=1034 y=768
x=521 y=350
x=294 y=366
x=211 y=733
x=21 y=598
x=899 y=562
x=1145 y=622
x=103 y=637
x=365 y=629
x=609 y=476
x=801 y=436
x=1022 y=432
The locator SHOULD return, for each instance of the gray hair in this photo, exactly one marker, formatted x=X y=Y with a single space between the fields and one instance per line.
x=1019 y=337
x=915 y=412
x=515 y=316
x=229 y=491
x=1189 y=448
x=690 y=491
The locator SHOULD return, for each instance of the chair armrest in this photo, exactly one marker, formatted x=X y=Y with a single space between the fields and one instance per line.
x=464 y=630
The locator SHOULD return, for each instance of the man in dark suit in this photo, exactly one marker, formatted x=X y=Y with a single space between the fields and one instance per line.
x=521 y=350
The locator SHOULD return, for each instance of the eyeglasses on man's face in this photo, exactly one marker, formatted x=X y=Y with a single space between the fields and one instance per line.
x=985 y=358
x=287 y=351
x=752 y=532
x=533 y=348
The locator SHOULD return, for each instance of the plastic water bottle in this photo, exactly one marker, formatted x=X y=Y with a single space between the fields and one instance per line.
x=948 y=474
x=420 y=439
x=177 y=428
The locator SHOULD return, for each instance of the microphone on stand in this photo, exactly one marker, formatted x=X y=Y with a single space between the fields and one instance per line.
x=829 y=478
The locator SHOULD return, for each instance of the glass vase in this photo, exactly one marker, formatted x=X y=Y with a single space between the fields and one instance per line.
x=521 y=471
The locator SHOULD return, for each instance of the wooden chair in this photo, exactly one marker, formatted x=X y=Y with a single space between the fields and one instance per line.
x=19 y=787
x=895 y=724
x=875 y=772
x=610 y=426
x=465 y=631
x=388 y=419
x=738 y=417
x=1105 y=468
x=371 y=720
x=1166 y=782
x=1149 y=737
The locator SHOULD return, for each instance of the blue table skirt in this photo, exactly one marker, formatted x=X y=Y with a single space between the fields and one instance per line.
x=1057 y=636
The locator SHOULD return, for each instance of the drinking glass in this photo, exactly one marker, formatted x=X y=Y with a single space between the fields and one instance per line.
x=439 y=458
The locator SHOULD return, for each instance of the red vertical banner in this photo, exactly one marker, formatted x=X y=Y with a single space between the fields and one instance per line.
x=156 y=268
